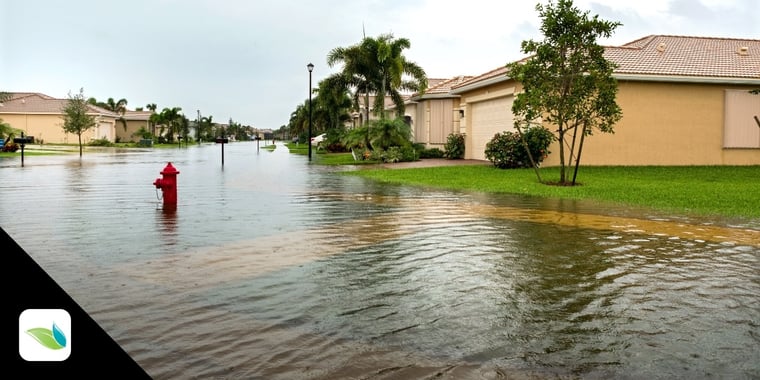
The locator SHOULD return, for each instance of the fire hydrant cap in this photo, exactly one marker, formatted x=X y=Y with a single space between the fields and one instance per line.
x=169 y=169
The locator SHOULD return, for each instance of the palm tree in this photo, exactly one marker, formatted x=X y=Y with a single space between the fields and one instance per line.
x=153 y=117
x=395 y=72
x=205 y=127
x=333 y=101
x=358 y=71
x=119 y=107
x=299 y=120
x=377 y=65
x=171 y=117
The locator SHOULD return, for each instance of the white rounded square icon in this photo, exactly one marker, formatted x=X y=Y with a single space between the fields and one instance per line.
x=44 y=335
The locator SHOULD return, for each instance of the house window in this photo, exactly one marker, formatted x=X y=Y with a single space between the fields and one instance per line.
x=740 y=130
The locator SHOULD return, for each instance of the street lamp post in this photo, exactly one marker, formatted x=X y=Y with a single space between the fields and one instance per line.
x=310 y=67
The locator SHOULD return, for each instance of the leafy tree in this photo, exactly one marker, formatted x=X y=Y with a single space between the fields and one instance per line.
x=567 y=81
x=76 y=118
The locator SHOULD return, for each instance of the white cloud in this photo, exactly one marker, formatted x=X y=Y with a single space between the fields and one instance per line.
x=247 y=59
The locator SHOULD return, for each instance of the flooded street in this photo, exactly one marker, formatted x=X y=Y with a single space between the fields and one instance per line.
x=274 y=268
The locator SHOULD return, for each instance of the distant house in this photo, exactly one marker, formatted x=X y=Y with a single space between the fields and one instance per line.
x=135 y=120
x=685 y=101
x=359 y=117
x=434 y=114
x=41 y=116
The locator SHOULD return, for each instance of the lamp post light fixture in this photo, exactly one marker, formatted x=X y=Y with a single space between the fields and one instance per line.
x=308 y=140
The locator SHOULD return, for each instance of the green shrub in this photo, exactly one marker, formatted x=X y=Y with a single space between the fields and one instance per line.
x=431 y=153
x=409 y=153
x=454 y=148
x=392 y=154
x=100 y=142
x=506 y=150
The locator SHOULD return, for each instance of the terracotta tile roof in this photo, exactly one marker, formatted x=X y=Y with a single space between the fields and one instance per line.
x=17 y=95
x=663 y=55
x=32 y=102
x=137 y=115
x=688 y=56
x=443 y=87
x=497 y=73
x=432 y=82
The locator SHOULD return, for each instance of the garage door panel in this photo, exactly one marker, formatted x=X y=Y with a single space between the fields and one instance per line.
x=489 y=117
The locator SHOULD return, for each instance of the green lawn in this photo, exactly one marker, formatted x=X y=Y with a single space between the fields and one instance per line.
x=731 y=191
x=27 y=153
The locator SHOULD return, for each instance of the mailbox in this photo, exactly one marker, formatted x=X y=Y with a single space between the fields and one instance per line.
x=220 y=140
x=23 y=140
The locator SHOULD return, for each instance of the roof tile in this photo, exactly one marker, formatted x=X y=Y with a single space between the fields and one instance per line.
x=665 y=55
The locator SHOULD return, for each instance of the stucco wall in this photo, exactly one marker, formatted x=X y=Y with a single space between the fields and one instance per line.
x=665 y=124
x=475 y=134
x=132 y=127
x=49 y=128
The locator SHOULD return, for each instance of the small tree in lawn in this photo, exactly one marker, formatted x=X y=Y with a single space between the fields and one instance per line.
x=566 y=81
x=75 y=117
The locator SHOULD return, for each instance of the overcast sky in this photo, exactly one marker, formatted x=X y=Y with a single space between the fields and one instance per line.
x=246 y=59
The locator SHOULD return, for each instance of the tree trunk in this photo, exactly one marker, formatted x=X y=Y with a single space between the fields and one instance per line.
x=561 y=140
x=80 y=143
x=530 y=155
x=578 y=158
x=366 y=106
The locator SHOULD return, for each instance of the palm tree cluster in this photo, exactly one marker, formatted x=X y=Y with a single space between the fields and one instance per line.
x=116 y=106
x=374 y=67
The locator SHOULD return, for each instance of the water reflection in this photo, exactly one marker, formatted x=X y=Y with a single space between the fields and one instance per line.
x=274 y=268
x=166 y=224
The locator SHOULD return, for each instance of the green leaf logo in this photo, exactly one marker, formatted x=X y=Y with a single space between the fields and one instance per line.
x=53 y=339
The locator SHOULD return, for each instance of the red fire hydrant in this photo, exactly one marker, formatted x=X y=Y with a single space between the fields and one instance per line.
x=168 y=185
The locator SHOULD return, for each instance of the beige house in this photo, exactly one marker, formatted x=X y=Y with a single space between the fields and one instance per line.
x=435 y=114
x=135 y=120
x=358 y=117
x=685 y=101
x=41 y=116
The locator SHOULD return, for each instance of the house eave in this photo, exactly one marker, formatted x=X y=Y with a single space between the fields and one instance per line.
x=686 y=79
x=481 y=84
x=435 y=96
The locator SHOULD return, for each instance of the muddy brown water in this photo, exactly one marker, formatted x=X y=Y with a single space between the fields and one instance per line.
x=273 y=268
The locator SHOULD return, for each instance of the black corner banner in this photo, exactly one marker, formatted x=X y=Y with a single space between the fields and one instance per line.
x=49 y=334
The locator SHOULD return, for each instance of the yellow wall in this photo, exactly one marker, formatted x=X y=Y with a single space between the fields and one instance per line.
x=467 y=100
x=132 y=127
x=48 y=128
x=665 y=124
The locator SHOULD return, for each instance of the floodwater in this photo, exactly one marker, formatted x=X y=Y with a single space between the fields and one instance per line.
x=273 y=268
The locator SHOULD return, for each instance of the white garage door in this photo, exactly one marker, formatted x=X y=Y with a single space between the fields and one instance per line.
x=489 y=117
